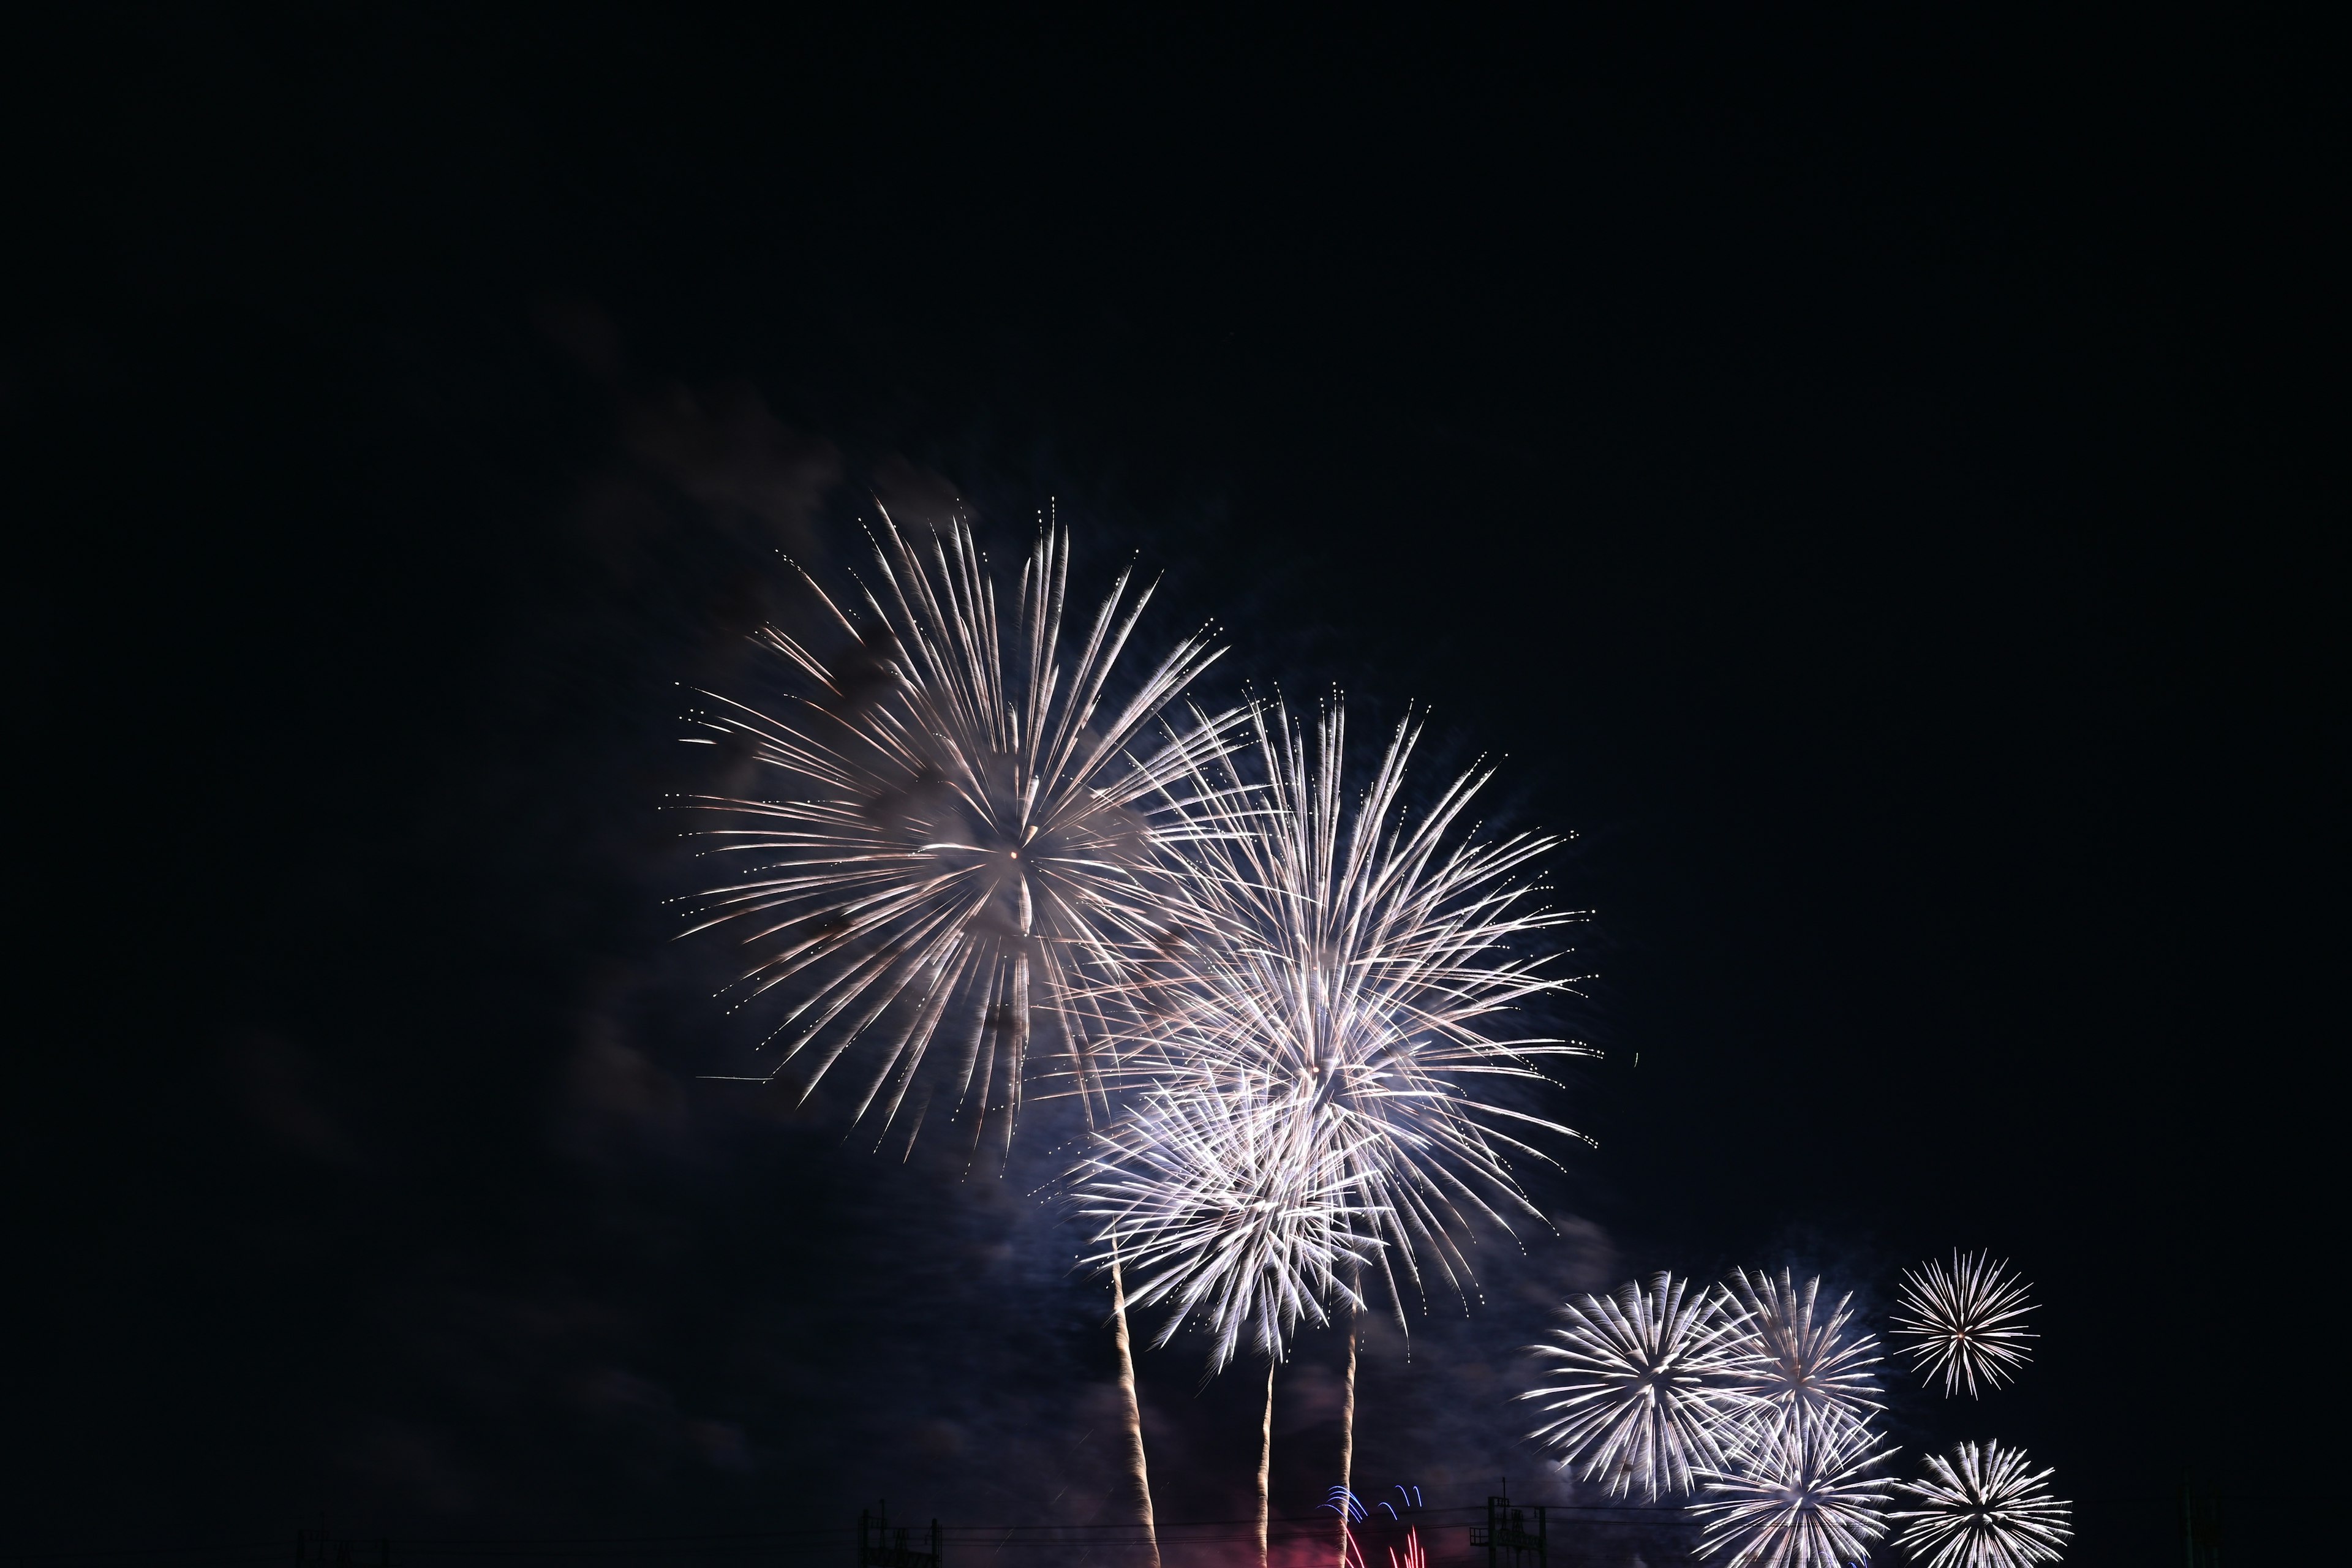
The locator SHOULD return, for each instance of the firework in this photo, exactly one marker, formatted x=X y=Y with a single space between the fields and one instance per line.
x=962 y=814
x=1798 y=1495
x=1346 y=1504
x=1228 y=1205
x=1983 y=1510
x=1357 y=964
x=1798 y=1364
x=1966 y=1322
x=1352 y=1510
x=1641 y=1382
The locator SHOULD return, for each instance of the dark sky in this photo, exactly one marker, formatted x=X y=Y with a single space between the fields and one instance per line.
x=1865 y=476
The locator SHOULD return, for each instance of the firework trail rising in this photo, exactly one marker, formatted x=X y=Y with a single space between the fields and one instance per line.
x=1798 y=1496
x=962 y=815
x=1982 y=1509
x=1353 y=966
x=1966 y=1322
x=1797 y=1363
x=1641 y=1383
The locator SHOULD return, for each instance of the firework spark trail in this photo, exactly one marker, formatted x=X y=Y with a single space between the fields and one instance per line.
x=1265 y=1465
x=1350 y=1509
x=966 y=820
x=1966 y=1322
x=1348 y=1430
x=1798 y=1364
x=1641 y=1385
x=1798 y=1495
x=1139 y=1470
x=1984 y=1509
x=1359 y=961
x=1228 y=1205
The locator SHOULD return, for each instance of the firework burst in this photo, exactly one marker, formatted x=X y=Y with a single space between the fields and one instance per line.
x=1228 y=1205
x=1982 y=1509
x=962 y=817
x=1798 y=1495
x=1965 y=1321
x=1798 y=1364
x=1640 y=1384
x=1357 y=964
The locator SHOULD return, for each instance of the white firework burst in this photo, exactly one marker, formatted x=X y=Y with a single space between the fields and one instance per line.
x=963 y=813
x=1798 y=1363
x=1363 y=964
x=1800 y=1494
x=1966 y=1322
x=1641 y=1385
x=1983 y=1509
x=1228 y=1202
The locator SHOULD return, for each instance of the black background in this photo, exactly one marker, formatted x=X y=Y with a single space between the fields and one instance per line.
x=1864 y=475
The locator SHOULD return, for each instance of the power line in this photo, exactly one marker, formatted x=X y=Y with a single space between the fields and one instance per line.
x=823 y=1538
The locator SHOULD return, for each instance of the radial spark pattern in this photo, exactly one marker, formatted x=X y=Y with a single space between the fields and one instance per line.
x=1360 y=964
x=1983 y=1509
x=1799 y=1495
x=1638 y=1386
x=1227 y=1203
x=1965 y=1322
x=961 y=813
x=1797 y=1362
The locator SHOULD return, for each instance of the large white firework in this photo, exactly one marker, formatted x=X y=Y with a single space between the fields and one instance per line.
x=1640 y=1386
x=1983 y=1509
x=962 y=811
x=1798 y=1495
x=1966 y=1322
x=1224 y=1201
x=1800 y=1363
x=1366 y=966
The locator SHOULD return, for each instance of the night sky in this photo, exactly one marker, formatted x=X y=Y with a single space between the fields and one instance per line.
x=1860 y=479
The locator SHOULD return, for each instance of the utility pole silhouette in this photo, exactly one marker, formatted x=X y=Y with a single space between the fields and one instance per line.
x=317 y=1548
x=2200 y=1528
x=1508 y=1542
x=879 y=1547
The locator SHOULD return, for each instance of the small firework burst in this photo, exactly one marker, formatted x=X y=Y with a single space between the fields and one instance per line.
x=1798 y=1494
x=1640 y=1384
x=1231 y=1202
x=1982 y=1509
x=1798 y=1363
x=1966 y=1322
